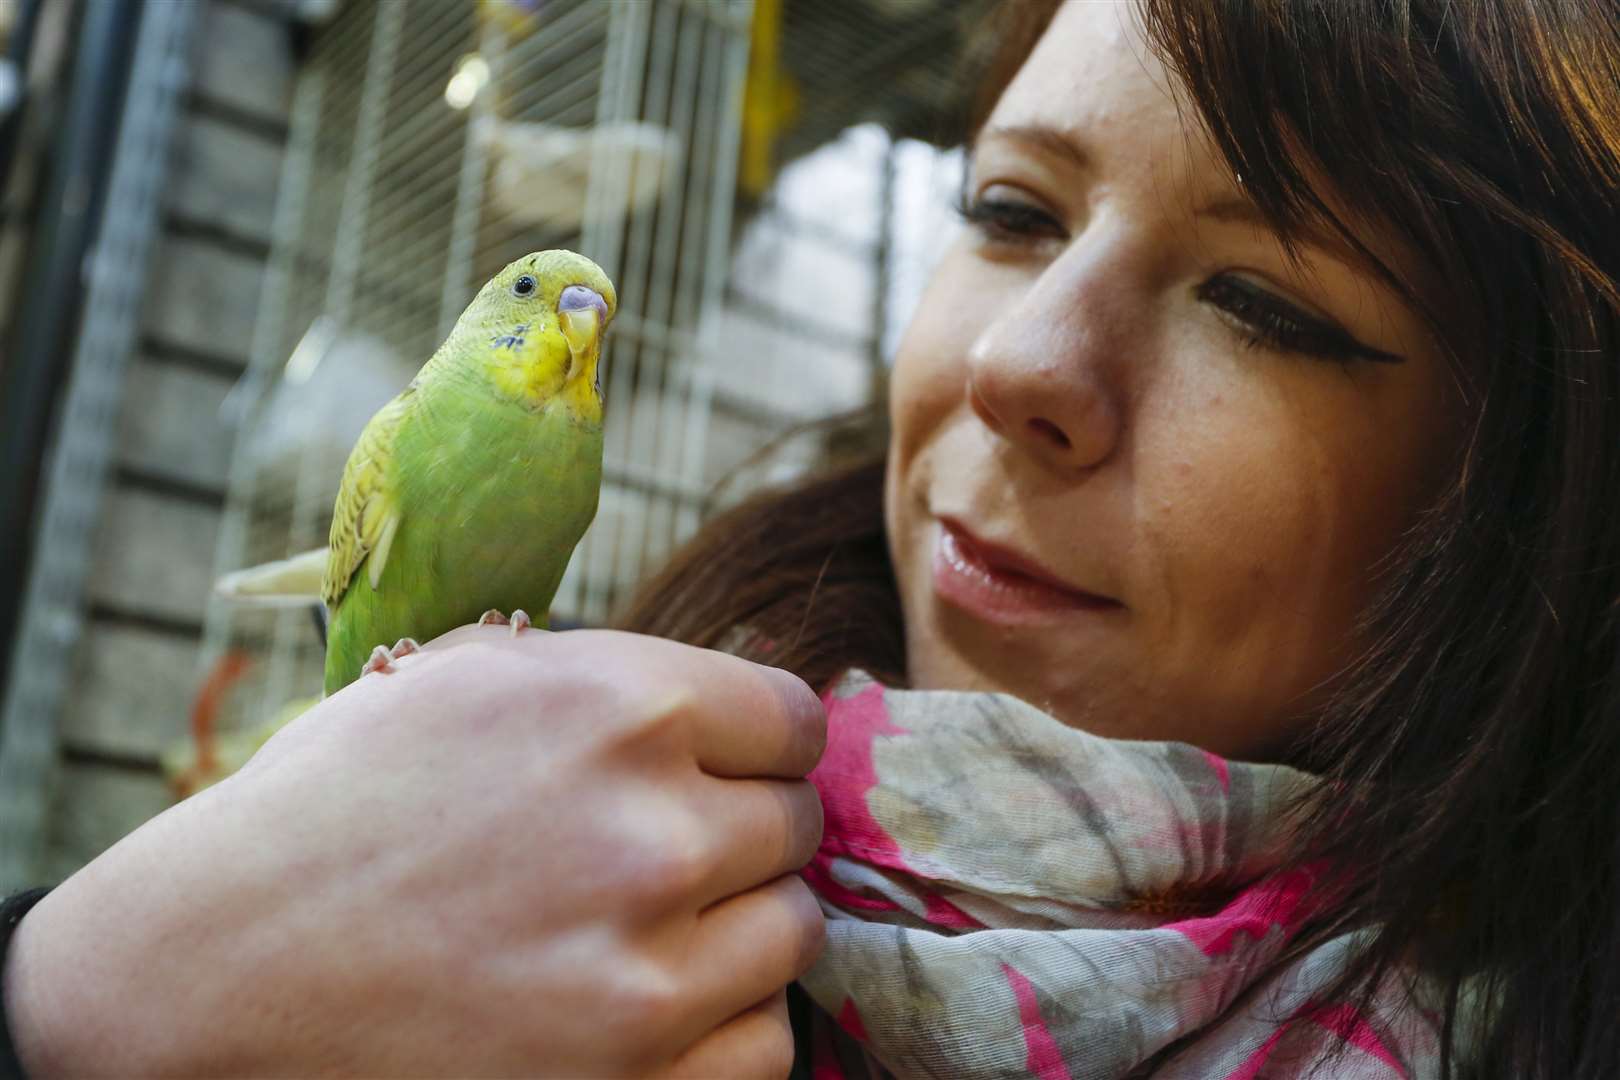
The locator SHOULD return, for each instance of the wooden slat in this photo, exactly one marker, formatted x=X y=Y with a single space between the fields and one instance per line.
x=204 y=298
x=132 y=691
x=249 y=123
x=244 y=60
x=225 y=176
x=161 y=351
x=171 y=424
x=154 y=554
x=94 y=807
x=132 y=479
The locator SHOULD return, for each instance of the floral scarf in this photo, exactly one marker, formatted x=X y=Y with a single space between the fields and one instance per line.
x=1009 y=897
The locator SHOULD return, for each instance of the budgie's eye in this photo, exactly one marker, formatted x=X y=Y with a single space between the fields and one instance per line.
x=524 y=286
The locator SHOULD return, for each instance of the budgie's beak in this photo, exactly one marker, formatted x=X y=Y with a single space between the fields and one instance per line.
x=581 y=315
x=583 y=329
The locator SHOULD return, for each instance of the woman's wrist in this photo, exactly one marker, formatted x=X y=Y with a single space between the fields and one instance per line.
x=12 y=1018
x=62 y=974
x=85 y=982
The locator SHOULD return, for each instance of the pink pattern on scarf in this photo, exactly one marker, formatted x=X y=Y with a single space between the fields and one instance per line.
x=1273 y=902
x=1257 y=1060
x=890 y=988
x=1349 y=1025
x=1045 y=1060
x=1342 y=1020
x=843 y=778
x=849 y=1018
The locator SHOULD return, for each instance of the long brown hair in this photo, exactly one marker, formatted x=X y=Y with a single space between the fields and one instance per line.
x=799 y=578
x=1472 y=753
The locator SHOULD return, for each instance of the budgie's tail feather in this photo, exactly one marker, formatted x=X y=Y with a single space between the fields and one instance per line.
x=290 y=582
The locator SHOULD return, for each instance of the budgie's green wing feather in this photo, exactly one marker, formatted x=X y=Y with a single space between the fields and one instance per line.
x=368 y=508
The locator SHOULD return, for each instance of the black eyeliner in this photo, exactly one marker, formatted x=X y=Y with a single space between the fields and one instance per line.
x=1276 y=322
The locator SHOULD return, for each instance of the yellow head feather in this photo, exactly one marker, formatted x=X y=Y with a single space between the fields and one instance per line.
x=514 y=334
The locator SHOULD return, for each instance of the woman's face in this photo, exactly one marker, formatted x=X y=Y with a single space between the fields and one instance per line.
x=1144 y=467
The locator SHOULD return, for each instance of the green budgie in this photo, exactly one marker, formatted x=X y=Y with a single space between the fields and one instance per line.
x=466 y=494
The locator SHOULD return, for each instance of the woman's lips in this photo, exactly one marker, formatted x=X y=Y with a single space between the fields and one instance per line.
x=1001 y=585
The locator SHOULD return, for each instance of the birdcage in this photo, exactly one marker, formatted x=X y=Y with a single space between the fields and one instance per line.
x=432 y=142
x=326 y=183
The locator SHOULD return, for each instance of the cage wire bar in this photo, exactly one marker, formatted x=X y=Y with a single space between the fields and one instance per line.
x=430 y=144
x=53 y=606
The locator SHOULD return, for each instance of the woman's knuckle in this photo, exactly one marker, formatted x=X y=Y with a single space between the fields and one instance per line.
x=648 y=1000
x=669 y=708
x=680 y=863
x=649 y=721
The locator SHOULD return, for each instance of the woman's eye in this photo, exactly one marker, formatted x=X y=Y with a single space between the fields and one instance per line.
x=1265 y=318
x=1008 y=220
x=524 y=286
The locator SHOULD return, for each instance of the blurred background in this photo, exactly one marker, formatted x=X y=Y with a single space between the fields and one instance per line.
x=230 y=229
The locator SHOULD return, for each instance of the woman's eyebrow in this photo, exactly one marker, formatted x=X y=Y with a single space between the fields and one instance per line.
x=1239 y=211
x=1050 y=139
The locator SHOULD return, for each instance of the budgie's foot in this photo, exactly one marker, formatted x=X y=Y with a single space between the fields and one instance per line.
x=519 y=620
x=382 y=657
x=404 y=647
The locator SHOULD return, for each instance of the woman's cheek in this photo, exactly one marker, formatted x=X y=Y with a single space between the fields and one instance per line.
x=929 y=382
x=920 y=395
x=1238 y=510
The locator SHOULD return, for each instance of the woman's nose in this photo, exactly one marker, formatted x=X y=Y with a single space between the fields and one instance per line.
x=1041 y=376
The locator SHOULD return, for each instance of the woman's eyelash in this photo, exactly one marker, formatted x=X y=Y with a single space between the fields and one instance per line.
x=1003 y=219
x=1272 y=321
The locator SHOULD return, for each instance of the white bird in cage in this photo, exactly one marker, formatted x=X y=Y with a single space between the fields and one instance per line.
x=541 y=172
x=327 y=391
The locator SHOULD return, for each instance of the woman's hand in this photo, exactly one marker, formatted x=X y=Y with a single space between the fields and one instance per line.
x=567 y=854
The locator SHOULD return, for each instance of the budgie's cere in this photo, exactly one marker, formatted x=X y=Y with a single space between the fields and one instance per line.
x=469 y=491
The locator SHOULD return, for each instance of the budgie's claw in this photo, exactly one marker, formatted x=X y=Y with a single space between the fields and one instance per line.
x=380 y=660
x=519 y=621
x=382 y=657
